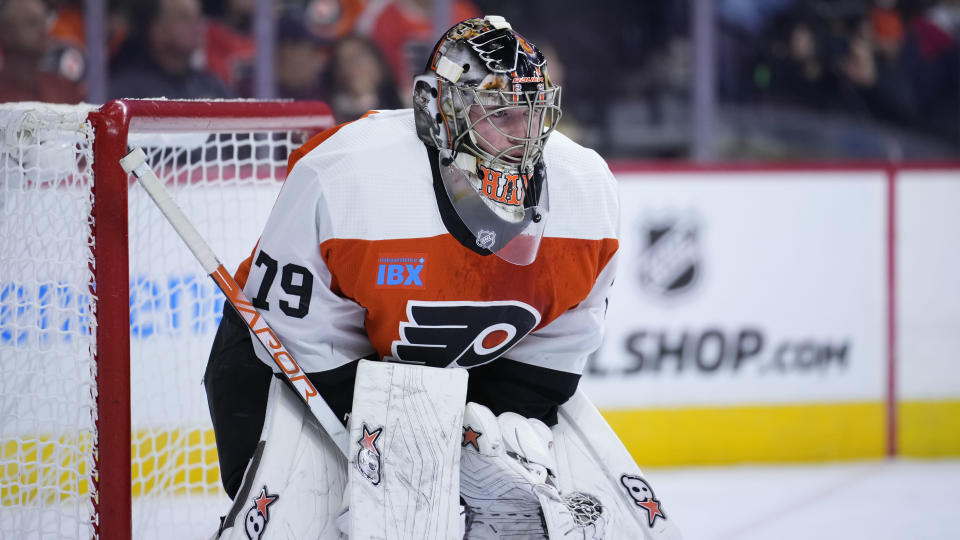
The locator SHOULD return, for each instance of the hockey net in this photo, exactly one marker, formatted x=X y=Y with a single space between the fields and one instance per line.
x=106 y=319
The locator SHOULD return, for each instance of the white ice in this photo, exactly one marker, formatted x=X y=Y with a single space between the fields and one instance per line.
x=876 y=500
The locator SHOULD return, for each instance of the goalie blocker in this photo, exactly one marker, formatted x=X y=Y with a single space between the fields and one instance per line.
x=576 y=480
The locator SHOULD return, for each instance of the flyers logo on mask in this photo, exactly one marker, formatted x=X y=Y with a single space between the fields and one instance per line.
x=502 y=187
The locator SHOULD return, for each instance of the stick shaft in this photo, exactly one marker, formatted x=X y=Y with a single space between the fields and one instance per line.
x=148 y=179
x=136 y=163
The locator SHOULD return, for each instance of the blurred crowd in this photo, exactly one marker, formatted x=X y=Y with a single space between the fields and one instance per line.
x=893 y=61
x=889 y=61
x=354 y=54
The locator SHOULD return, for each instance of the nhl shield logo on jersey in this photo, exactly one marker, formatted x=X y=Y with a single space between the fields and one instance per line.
x=669 y=256
x=368 y=457
x=642 y=495
x=255 y=522
x=486 y=239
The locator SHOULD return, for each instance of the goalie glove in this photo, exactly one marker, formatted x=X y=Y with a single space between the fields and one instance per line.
x=507 y=479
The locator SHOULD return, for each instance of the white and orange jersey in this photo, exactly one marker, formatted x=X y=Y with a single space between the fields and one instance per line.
x=357 y=259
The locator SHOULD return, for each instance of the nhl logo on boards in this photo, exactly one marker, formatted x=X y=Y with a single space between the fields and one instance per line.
x=642 y=495
x=669 y=255
x=368 y=457
x=255 y=522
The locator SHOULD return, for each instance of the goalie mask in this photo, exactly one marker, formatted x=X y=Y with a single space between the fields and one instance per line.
x=487 y=104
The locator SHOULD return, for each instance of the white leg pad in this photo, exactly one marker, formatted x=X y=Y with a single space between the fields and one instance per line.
x=404 y=471
x=594 y=466
x=294 y=485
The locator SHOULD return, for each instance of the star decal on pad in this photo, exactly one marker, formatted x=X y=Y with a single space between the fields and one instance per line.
x=470 y=437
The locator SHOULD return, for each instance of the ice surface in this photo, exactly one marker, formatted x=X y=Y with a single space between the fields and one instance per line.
x=895 y=499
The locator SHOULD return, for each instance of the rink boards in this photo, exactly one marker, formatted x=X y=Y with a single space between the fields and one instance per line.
x=784 y=315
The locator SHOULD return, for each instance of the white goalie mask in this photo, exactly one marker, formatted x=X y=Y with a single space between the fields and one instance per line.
x=487 y=104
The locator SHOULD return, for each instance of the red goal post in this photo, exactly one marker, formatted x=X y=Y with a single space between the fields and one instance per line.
x=147 y=314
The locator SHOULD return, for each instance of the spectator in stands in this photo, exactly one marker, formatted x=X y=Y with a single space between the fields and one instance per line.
x=874 y=81
x=333 y=19
x=238 y=15
x=800 y=64
x=161 y=58
x=358 y=79
x=930 y=56
x=24 y=40
x=67 y=52
x=403 y=29
x=299 y=65
x=887 y=28
x=228 y=48
x=300 y=60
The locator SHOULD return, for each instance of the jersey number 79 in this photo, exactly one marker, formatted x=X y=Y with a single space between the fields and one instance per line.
x=295 y=280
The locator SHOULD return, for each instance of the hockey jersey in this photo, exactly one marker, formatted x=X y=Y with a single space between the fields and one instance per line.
x=363 y=257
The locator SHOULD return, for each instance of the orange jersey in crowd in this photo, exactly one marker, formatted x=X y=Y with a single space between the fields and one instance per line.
x=406 y=36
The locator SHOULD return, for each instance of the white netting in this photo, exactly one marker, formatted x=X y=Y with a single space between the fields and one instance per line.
x=47 y=331
x=226 y=184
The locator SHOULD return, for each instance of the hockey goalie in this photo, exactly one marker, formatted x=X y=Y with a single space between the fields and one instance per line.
x=441 y=275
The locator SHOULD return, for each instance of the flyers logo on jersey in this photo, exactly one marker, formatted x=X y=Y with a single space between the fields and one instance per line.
x=462 y=334
x=400 y=271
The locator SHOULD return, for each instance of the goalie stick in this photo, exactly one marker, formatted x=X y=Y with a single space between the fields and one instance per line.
x=136 y=162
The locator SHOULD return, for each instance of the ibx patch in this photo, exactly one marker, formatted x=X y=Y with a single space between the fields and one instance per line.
x=255 y=522
x=642 y=494
x=368 y=458
x=401 y=271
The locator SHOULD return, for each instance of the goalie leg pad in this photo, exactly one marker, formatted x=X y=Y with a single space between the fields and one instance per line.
x=404 y=471
x=294 y=484
x=601 y=483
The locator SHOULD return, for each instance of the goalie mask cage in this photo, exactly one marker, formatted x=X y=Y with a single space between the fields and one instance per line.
x=106 y=319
